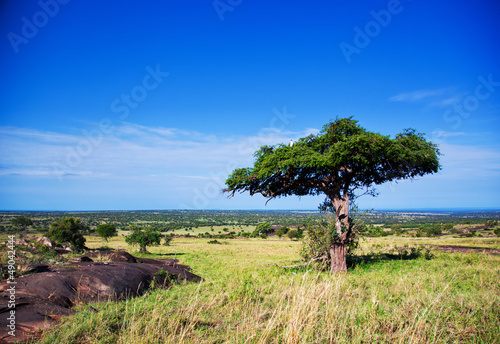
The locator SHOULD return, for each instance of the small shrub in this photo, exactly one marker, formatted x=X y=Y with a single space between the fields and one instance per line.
x=292 y=234
x=168 y=239
x=68 y=230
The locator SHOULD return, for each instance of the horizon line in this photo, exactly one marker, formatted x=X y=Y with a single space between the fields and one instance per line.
x=449 y=209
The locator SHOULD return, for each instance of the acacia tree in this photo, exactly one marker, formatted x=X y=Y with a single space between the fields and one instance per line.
x=342 y=159
x=143 y=237
x=106 y=230
x=21 y=222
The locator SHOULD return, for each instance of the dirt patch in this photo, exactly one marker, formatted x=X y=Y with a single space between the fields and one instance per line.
x=465 y=249
x=43 y=297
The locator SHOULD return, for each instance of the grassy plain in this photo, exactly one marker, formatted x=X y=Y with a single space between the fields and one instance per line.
x=246 y=298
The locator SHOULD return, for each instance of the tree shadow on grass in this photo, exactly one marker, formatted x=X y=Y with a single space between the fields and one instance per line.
x=396 y=254
x=365 y=260
x=169 y=254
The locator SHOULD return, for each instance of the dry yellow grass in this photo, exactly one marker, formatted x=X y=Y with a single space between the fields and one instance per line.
x=246 y=299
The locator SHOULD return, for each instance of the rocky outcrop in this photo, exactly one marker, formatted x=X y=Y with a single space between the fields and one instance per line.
x=43 y=297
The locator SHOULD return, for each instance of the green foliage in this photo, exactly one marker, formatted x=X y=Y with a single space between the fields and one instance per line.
x=342 y=156
x=106 y=230
x=21 y=222
x=143 y=238
x=168 y=239
x=491 y=223
x=68 y=230
x=263 y=228
x=321 y=234
x=396 y=229
x=282 y=231
x=429 y=230
x=497 y=232
x=448 y=226
x=292 y=234
x=377 y=231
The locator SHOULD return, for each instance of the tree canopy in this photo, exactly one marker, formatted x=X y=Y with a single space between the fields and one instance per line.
x=143 y=237
x=342 y=158
x=106 y=230
x=21 y=222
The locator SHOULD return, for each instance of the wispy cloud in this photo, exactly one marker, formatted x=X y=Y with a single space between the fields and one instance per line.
x=440 y=97
x=418 y=95
x=444 y=134
x=131 y=151
x=464 y=163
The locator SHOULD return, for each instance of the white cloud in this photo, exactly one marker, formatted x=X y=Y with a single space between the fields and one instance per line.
x=469 y=162
x=175 y=168
x=418 y=95
x=438 y=98
x=447 y=101
x=444 y=134
x=131 y=151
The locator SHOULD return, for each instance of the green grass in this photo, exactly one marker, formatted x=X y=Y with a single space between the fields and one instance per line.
x=246 y=298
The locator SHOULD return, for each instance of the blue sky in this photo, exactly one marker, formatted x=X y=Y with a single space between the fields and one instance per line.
x=150 y=105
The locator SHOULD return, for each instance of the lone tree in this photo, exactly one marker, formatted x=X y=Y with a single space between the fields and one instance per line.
x=340 y=160
x=21 y=222
x=263 y=228
x=143 y=237
x=106 y=230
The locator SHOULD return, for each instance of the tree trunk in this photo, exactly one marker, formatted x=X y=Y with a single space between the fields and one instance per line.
x=341 y=206
x=338 y=253
x=338 y=249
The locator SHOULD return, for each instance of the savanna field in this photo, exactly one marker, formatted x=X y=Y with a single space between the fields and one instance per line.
x=246 y=297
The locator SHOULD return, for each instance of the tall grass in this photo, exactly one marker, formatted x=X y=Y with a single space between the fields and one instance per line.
x=245 y=298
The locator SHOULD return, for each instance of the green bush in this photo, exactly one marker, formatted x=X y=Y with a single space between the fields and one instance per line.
x=282 y=231
x=292 y=234
x=490 y=224
x=168 y=239
x=448 y=226
x=68 y=230
x=21 y=222
x=263 y=228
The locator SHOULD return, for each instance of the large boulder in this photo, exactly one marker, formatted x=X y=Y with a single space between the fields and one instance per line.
x=43 y=297
x=46 y=241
